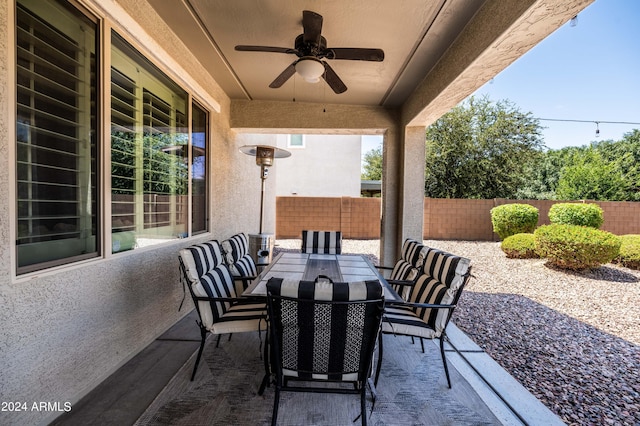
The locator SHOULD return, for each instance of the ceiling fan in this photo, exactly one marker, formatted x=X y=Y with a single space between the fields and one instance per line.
x=312 y=52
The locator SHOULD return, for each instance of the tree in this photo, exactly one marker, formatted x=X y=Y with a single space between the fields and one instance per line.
x=479 y=150
x=591 y=177
x=373 y=165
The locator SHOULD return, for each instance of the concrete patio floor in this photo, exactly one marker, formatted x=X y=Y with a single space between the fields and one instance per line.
x=124 y=396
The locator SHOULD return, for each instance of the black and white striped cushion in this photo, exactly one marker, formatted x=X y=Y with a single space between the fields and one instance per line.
x=421 y=322
x=323 y=340
x=326 y=242
x=226 y=317
x=199 y=259
x=414 y=252
x=403 y=271
x=236 y=252
x=445 y=267
x=235 y=248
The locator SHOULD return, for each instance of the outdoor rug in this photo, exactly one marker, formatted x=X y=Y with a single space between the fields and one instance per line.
x=412 y=390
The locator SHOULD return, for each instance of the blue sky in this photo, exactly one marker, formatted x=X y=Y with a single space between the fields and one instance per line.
x=588 y=72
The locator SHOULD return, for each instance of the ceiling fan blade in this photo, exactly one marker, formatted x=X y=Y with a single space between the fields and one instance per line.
x=243 y=48
x=333 y=80
x=283 y=77
x=355 y=53
x=312 y=24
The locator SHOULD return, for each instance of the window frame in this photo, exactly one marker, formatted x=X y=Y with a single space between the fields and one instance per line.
x=151 y=51
x=302 y=145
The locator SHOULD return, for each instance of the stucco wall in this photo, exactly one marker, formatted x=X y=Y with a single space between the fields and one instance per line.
x=327 y=166
x=64 y=331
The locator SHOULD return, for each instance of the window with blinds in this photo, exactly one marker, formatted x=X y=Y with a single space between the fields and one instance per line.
x=57 y=100
x=199 y=155
x=149 y=152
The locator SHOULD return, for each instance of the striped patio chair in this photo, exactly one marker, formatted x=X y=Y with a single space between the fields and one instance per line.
x=406 y=270
x=431 y=302
x=212 y=288
x=236 y=256
x=324 y=334
x=327 y=242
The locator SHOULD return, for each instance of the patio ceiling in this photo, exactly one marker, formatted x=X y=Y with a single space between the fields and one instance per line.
x=436 y=52
x=413 y=34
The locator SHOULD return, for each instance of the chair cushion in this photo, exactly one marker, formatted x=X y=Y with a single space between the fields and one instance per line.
x=445 y=267
x=414 y=252
x=216 y=283
x=200 y=259
x=325 y=290
x=327 y=242
x=403 y=271
x=241 y=317
x=430 y=290
x=404 y=321
x=235 y=248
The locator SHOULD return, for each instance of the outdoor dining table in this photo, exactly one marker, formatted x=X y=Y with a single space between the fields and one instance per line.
x=308 y=266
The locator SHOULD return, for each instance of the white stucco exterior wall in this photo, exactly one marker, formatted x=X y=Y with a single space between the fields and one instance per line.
x=326 y=166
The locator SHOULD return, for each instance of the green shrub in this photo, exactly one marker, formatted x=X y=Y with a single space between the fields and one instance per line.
x=576 y=247
x=629 y=252
x=520 y=246
x=511 y=219
x=577 y=214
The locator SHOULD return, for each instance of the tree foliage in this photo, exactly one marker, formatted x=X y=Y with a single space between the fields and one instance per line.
x=479 y=149
x=482 y=149
x=373 y=165
x=604 y=171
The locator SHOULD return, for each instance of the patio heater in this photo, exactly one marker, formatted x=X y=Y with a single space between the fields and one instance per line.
x=261 y=244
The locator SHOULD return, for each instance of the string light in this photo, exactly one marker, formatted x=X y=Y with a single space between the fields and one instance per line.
x=574 y=21
x=597 y=123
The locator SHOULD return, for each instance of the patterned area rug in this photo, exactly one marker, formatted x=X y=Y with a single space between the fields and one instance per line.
x=412 y=390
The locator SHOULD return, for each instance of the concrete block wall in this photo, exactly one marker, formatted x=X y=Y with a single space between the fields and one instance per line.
x=357 y=218
x=453 y=219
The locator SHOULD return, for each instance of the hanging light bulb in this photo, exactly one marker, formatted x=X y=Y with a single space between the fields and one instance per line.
x=597 y=130
x=574 y=21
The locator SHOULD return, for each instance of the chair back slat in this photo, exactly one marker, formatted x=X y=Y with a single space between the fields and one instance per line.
x=326 y=242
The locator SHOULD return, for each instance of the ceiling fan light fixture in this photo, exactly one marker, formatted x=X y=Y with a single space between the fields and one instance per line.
x=311 y=69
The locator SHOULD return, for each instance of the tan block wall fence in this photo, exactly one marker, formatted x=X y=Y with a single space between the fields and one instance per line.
x=444 y=219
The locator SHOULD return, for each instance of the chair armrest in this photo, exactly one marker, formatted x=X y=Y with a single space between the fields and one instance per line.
x=245 y=280
x=419 y=305
x=229 y=299
x=390 y=268
x=405 y=283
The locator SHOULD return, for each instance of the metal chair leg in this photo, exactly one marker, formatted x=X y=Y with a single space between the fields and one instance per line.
x=276 y=402
x=375 y=382
x=203 y=334
x=444 y=359
x=363 y=405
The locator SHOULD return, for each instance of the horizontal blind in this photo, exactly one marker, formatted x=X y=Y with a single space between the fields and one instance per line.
x=56 y=150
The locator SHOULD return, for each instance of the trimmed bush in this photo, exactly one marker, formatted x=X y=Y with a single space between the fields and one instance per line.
x=520 y=246
x=590 y=215
x=576 y=247
x=511 y=219
x=629 y=252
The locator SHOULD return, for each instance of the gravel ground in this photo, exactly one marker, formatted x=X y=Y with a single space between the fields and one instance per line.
x=572 y=339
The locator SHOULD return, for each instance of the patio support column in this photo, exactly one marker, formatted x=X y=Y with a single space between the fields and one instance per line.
x=411 y=217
